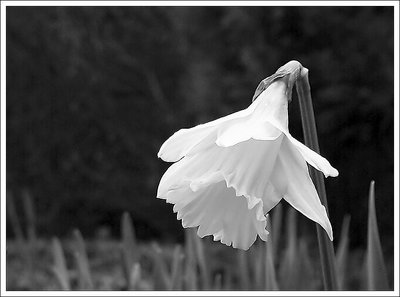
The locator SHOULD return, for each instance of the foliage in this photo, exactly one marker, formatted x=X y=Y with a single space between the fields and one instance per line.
x=198 y=265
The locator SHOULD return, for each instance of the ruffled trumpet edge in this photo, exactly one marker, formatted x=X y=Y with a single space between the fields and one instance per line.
x=254 y=205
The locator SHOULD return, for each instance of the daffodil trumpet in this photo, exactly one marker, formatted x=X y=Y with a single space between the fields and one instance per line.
x=229 y=173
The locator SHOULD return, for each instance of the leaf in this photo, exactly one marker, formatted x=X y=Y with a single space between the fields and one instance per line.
x=289 y=267
x=30 y=218
x=160 y=273
x=59 y=267
x=342 y=253
x=276 y=226
x=15 y=221
x=82 y=262
x=306 y=278
x=243 y=259
x=190 y=275
x=177 y=269
x=201 y=260
x=218 y=282
x=375 y=264
x=269 y=272
x=129 y=247
x=258 y=267
x=135 y=277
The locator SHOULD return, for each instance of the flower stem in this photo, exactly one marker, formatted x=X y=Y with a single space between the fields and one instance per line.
x=311 y=140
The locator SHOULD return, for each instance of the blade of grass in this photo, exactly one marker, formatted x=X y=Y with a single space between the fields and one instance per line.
x=82 y=262
x=129 y=248
x=30 y=218
x=177 y=269
x=269 y=269
x=342 y=253
x=244 y=279
x=218 y=282
x=276 y=226
x=228 y=281
x=201 y=260
x=288 y=278
x=15 y=221
x=22 y=244
x=59 y=267
x=375 y=264
x=160 y=273
x=258 y=267
x=270 y=273
x=31 y=232
x=306 y=278
x=135 y=277
x=190 y=263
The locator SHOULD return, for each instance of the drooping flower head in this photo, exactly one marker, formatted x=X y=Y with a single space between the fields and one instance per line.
x=230 y=172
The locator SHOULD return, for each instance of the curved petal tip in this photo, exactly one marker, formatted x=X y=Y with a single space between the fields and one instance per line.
x=334 y=173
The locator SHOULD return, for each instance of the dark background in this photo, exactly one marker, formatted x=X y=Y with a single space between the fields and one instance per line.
x=93 y=92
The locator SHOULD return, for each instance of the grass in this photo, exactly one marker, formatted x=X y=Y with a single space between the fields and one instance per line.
x=288 y=261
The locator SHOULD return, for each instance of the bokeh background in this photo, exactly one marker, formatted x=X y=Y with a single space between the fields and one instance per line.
x=93 y=92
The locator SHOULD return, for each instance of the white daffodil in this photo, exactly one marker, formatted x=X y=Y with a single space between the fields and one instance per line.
x=232 y=171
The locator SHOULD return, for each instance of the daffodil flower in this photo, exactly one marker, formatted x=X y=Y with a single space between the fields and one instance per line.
x=230 y=172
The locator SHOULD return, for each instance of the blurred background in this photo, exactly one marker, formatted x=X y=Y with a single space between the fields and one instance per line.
x=93 y=92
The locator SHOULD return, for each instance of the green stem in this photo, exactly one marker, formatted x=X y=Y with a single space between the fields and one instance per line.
x=311 y=140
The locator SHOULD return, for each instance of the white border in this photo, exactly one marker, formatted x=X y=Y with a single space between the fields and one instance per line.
x=396 y=148
x=3 y=151
x=199 y=3
x=4 y=4
x=200 y=293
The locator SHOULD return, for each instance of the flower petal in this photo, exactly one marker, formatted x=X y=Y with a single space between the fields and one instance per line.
x=246 y=167
x=177 y=146
x=291 y=178
x=241 y=173
x=181 y=142
x=314 y=159
x=217 y=211
x=240 y=126
x=246 y=129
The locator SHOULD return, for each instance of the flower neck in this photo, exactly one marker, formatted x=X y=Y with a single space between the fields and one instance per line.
x=272 y=104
